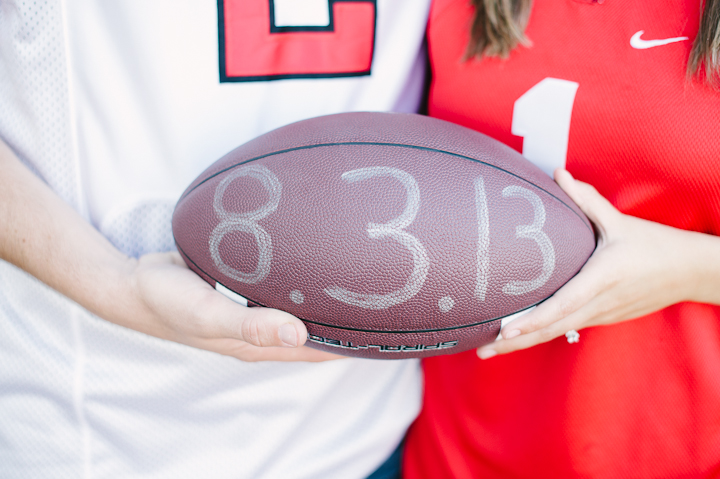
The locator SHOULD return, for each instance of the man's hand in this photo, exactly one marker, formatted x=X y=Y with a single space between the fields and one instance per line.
x=156 y=294
x=180 y=306
x=638 y=267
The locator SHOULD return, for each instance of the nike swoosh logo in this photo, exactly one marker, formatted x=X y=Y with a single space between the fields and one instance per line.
x=640 y=44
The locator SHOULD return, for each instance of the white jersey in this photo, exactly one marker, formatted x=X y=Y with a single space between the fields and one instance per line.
x=118 y=106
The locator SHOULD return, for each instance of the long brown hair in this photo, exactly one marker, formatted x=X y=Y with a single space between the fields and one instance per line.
x=499 y=26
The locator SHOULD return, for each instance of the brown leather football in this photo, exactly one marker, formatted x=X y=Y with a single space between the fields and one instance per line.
x=390 y=235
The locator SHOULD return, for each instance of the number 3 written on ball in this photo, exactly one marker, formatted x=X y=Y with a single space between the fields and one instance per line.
x=392 y=229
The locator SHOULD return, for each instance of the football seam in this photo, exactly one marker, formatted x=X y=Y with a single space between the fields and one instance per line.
x=400 y=331
x=402 y=145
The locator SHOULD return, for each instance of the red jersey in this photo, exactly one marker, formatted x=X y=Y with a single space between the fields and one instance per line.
x=602 y=89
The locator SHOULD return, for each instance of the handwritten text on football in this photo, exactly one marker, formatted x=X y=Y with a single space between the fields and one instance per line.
x=393 y=229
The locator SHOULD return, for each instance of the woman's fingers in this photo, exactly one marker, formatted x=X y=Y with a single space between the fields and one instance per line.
x=599 y=210
x=589 y=313
x=590 y=282
x=567 y=309
x=637 y=268
x=572 y=305
x=524 y=341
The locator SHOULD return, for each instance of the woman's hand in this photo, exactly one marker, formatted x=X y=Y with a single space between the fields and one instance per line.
x=637 y=268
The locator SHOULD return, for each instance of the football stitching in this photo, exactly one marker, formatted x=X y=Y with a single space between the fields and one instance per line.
x=371 y=143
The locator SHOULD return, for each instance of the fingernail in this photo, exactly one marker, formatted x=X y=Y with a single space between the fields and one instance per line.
x=486 y=353
x=288 y=335
x=512 y=334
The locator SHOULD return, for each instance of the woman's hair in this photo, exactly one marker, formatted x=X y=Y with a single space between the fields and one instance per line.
x=499 y=26
x=706 y=48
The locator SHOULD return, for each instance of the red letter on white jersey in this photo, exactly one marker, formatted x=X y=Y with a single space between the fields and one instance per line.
x=258 y=42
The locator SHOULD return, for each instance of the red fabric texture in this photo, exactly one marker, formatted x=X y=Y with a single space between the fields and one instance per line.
x=635 y=399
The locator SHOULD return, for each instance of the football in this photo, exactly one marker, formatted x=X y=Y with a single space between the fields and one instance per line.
x=390 y=235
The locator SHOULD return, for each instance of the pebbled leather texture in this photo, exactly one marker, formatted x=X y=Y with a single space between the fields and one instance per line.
x=375 y=229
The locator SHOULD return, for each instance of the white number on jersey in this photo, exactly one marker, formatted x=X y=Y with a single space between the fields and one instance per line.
x=542 y=117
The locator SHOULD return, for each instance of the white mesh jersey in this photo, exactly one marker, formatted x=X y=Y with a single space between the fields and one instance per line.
x=118 y=106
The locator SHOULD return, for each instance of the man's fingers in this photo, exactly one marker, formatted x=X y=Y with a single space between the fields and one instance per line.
x=263 y=327
x=271 y=327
